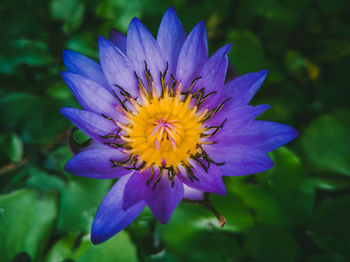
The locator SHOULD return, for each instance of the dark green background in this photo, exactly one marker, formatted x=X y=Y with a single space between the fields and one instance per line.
x=297 y=211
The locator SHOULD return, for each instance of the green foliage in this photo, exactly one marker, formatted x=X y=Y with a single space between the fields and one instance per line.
x=78 y=205
x=297 y=211
x=119 y=248
x=326 y=142
x=27 y=220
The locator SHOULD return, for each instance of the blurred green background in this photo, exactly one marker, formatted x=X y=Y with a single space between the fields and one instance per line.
x=298 y=211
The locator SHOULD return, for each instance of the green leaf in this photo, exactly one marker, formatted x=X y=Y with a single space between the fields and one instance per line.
x=332 y=218
x=238 y=215
x=266 y=207
x=84 y=43
x=57 y=159
x=27 y=218
x=290 y=186
x=330 y=182
x=296 y=65
x=283 y=196
x=326 y=142
x=333 y=257
x=193 y=231
x=79 y=202
x=35 y=119
x=12 y=147
x=70 y=11
x=120 y=12
x=118 y=248
x=43 y=181
x=246 y=54
x=334 y=244
x=33 y=52
x=271 y=244
x=15 y=150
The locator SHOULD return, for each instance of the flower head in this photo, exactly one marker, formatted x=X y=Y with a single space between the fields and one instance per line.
x=164 y=121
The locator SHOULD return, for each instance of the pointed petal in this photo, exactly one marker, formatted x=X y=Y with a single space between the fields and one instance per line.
x=92 y=96
x=242 y=89
x=80 y=64
x=110 y=217
x=210 y=181
x=117 y=67
x=239 y=160
x=118 y=39
x=213 y=75
x=141 y=47
x=91 y=124
x=235 y=118
x=164 y=198
x=136 y=188
x=171 y=36
x=193 y=194
x=264 y=135
x=193 y=55
x=97 y=163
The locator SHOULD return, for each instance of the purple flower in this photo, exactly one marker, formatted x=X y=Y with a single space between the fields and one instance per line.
x=164 y=121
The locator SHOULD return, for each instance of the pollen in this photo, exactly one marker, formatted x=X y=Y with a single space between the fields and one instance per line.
x=165 y=130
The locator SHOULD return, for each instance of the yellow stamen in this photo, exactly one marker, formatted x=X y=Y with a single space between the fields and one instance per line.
x=164 y=131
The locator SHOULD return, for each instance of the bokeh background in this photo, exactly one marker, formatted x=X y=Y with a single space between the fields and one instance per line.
x=297 y=211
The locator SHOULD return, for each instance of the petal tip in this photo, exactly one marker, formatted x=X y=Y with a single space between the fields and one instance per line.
x=65 y=110
x=101 y=40
x=170 y=11
x=227 y=48
x=135 y=22
x=264 y=73
x=95 y=239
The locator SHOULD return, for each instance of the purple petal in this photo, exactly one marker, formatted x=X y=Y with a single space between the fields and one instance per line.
x=213 y=75
x=171 y=36
x=164 y=198
x=242 y=89
x=193 y=55
x=92 y=96
x=210 y=181
x=91 y=124
x=193 y=194
x=118 y=39
x=117 y=67
x=79 y=64
x=235 y=118
x=142 y=47
x=136 y=188
x=110 y=217
x=239 y=160
x=264 y=135
x=96 y=163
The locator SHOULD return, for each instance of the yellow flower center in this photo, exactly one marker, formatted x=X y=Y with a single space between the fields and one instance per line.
x=163 y=131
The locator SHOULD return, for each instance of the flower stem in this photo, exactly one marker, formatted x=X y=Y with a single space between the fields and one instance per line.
x=207 y=204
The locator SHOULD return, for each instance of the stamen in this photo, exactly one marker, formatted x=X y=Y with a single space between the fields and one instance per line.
x=163 y=130
x=135 y=104
x=193 y=83
x=178 y=90
x=151 y=176
x=158 y=179
x=173 y=143
x=125 y=128
x=120 y=101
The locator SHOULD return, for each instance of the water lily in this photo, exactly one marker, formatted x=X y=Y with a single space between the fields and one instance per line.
x=166 y=119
